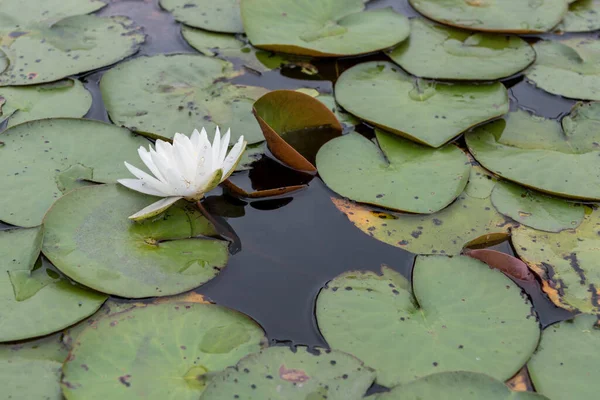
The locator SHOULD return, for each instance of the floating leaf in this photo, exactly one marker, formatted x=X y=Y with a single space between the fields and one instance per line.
x=18 y=12
x=583 y=16
x=159 y=257
x=261 y=193
x=22 y=104
x=47 y=348
x=536 y=210
x=278 y=373
x=569 y=68
x=327 y=28
x=567 y=262
x=167 y=350
x=30 y=379
x=535 y=152
x=511 y=266
x=423 y=111
x=516 y=16
x=217 y=16
x=40 y=159
x=564 y=364
x=445 y=323
x=160 y=95
x=402 y=175
x=440 y=52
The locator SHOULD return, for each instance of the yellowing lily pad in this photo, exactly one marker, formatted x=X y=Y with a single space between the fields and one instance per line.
x=440 y=52
x=516 y=16
x=399 y=175
x=327 y=28
x=583 y=16
x=217 y=16
x=423 y=111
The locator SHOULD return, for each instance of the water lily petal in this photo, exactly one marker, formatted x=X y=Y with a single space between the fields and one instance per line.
x=216 y=150
x=206 y=183
x=224 y=147
x=148 y=179
x=233 y=158
x=176 y=181
x=183 y=160
x=195 y=139
x=147 y=159
x=154 y=208
x=163 y=148
x=140 y=186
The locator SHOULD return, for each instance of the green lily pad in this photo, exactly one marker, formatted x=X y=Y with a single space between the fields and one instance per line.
x=569 y=68
x=39 y=53
x=41 y=159
x=328 y=28
x=30 y=379
x=567 y=350
x=36 y=300
x=440 y=52
x=536 y=153
x=168 y=350
x=160 y=95
x=17 y=12
x=583 y=16
x=159 y=257
x=66 y=98
x=217 y=16
x=582 y=125
x=457 y=385
x=444 y=323
x=514 y=16
x=536 y=210
x=347 y=120
x=423 y=111
x=49 y=347
x=567 y=262
x=399 y=175
x=470 y=219
x=279 y=373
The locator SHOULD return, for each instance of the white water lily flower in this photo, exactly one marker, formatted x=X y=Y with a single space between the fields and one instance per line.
x=186 y=169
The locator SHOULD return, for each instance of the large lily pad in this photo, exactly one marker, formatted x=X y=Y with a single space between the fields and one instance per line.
x=169 y=350
x=400 y=174
x=161 y=95
x=160 y=257
x=217 y=16
x=567 y=262
x=444 y=323
x=567 y=350
x=327 y=28
x=40 y=160
x=66 y=98
x=569 y=67
x=470 y=219
x=583 y=16
x=440 y=52
x=30 y=379
x=535 y=152
x=423 y=111
x=515 y=16
x=36 y=300
x=20 y=13
x=279 y=373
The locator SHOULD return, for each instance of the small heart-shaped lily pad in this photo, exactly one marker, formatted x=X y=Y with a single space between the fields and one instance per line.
x=217 y=16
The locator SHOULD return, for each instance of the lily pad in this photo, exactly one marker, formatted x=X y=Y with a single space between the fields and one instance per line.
x=41 y=159
x=471 y=219
x=20 y=13
x=440 y=52
x=423 y=111
x=167 y=350
x=457 y=385
x=36 y=300
x=583 y=16
x=567 y=350
x=30 y=379
x=536 y=153
x=160 y=95
x=217 y=16
x=485 y=328
x=567 y=262
x=279 y=373
x=327 y=28
x=399 y=175
x=159 y=257
x=569 y=68
x=514 y=16
x=66 y=98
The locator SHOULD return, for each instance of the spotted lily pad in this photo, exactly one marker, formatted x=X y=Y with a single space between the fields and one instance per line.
x=66 y=98
x=444 y=323
x=42 y=159
x=168 y=350
x=30 y=379
x=327 y=28
x=583 y=16
x=567 y=262
x=536 y=153
x=399 y=175
x=278 y=373
x=567 y=350
x=159 y=257
x=440 y=52
x=515 y=16
x=569 y=67
x=217 y=16
x=160 y=95
x=423 y=111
